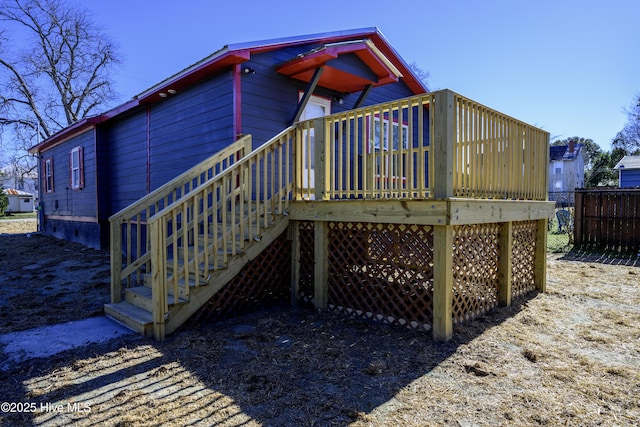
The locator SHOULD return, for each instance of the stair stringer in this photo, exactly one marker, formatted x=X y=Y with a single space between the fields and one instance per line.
x=200 y=295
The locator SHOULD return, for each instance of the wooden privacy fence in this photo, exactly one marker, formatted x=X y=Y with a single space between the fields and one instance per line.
x=608 y=220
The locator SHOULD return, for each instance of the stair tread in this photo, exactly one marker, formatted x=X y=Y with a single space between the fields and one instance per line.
x=147 y=293
x=122 y=311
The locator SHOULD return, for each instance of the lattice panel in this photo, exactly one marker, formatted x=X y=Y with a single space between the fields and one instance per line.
x=475 y=270
x=382 y=272
x=523 y=258
x=264 y=282
x=307 y=262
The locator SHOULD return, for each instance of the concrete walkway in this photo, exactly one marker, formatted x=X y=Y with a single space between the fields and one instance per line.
x=49 y=340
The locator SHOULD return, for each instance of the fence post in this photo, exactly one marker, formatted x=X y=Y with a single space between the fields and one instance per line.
x=577 y=219
x=443 y=144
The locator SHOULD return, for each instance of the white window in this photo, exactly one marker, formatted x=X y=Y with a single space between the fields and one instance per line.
x=395 y=135
x=48 y=175
x=76 y=179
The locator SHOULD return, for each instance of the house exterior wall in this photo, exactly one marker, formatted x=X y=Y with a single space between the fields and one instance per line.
x=20 y=204
x=68 y=213
x=190 y=126
x=629 y=178
x=131 y=154
x=564 y=177
x=123 y=150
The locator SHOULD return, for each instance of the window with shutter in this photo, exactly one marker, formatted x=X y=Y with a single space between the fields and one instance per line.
x=76 y=173
x=48 y=175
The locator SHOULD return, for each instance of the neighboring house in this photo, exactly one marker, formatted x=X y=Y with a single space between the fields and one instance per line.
x=566 y=172
x=101 y=164
x=629 y=171
x=27 y=182
x=19 y=201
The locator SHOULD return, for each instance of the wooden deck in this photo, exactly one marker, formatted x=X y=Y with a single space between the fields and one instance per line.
x=417 y=187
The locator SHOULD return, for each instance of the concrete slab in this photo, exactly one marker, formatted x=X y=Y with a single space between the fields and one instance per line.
x=49 y=340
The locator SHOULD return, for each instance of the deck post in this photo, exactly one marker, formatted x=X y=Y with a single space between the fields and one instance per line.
x=116 y=261
x=293 y=234
x=444 y=135
x=442 y=282
x=540 y=269
x=158 y=286
x=321 y=164
x=321 y=270
x=505 y=258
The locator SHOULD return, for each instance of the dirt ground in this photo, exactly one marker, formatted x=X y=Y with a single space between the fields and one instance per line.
x=570 y=356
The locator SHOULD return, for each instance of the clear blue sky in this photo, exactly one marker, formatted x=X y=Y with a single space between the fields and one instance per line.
x=567 y=66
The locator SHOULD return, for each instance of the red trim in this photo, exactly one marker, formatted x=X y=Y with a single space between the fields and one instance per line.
x=237 y=100
x=303 y=67
x=230 y=56
x=194 y=75
x=148 y=149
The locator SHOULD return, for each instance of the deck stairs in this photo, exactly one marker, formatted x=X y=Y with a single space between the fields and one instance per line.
x=173 y=250
x=136 y=311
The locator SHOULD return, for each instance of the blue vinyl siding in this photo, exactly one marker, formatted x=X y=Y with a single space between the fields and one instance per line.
x=190 y=126
x=72 y=214
x=125 y=141
x=65 y=201
x=630 y=178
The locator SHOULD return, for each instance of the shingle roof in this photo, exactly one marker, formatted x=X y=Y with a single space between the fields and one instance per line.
x=14 y=192
x=628 y=162
x=561 y=152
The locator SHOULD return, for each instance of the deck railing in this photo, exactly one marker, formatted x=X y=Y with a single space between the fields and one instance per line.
x=496 y=156
x=130 y=241
x=198 y=234
x=433 y=145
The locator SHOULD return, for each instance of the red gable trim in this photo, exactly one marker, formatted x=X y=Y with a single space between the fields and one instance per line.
x=232 y=55
x=303 y=66
x=194 y=74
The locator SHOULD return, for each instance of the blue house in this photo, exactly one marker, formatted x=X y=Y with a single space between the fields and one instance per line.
x=313 y=169
x=101 y=164
x=629 y=171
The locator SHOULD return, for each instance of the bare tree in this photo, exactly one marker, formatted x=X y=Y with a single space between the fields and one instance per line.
x=420 y=73
x=55 y=67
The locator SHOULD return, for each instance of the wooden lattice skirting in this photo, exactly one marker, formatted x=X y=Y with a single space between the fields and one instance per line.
x=264 y=282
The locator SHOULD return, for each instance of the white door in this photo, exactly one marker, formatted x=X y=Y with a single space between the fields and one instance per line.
x=316 y=107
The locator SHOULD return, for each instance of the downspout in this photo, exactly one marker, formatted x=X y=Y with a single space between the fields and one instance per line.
x=236 y=74
x=148 y=160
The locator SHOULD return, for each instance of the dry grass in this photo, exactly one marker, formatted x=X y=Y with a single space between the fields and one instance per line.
x=567 y=357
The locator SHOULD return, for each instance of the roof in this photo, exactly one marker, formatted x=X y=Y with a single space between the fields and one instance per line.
x=378 y=54
x=628 y=162
x=561 y=152
x=14 y=192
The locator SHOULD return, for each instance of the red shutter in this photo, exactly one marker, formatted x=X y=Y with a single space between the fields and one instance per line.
x=45 y=187
x=81 y=165
x=71 y=169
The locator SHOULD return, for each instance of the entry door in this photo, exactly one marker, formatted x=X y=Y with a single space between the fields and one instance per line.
x=316 y=107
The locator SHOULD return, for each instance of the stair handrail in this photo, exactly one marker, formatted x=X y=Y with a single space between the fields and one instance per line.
x=261 y=179
x=138 y=213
